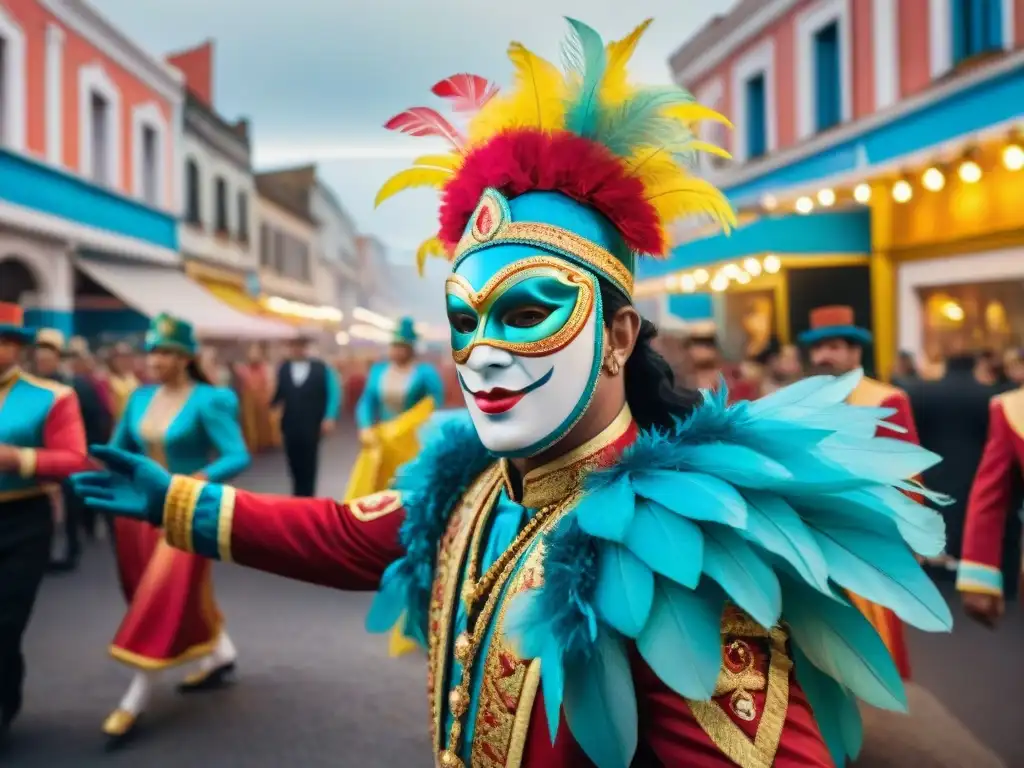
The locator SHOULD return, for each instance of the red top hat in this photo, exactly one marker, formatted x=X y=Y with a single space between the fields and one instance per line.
x=12 y=323
x=834 y=322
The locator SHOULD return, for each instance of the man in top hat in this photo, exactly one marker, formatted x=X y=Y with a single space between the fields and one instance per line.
x=42 y=438
x=309 y=396
x=836 y=345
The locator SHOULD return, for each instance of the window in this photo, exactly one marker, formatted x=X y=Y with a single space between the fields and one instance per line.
x=757 y=117
x=99 y=122
x=304 y=267
x=220 y=192
x=150 y=165
x=266 y=246
x=5 y=96
x=193 y=191
x=243 y=217
x=977 y=27
x=828 y=82
x=278 y=260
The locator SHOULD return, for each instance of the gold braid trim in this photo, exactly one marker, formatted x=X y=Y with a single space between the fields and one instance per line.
x=179 y=509
x=27 y=461
x=730 y=738
x=225 y=520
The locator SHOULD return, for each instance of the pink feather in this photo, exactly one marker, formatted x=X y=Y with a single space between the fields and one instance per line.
x=424 y=121
x=468 y=93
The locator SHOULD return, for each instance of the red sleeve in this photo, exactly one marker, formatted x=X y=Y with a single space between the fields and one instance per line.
x=346 y=546
x=990 y=499
x=904 y=417
x=64 y=451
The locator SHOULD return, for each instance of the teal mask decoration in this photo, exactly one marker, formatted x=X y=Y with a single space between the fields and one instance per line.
x=527 y=338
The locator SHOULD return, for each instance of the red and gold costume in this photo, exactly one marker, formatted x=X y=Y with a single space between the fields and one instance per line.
x=43 y=438
x=257 y=385
x=877 y=394
x=759 y=715
x=989 y=557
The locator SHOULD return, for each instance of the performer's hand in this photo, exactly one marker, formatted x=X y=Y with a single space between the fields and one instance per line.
x=326 y=427
x=368 y=437
x=984 y=608
x=132 y=486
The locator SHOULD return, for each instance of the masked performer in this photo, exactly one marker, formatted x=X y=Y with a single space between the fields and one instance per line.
x=42 y=438
x=604 y=570
x=179 y=422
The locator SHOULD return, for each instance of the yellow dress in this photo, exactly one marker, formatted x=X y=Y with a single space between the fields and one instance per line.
x=376 y=466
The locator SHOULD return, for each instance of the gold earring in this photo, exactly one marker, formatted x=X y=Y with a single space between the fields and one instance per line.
x=612 y=364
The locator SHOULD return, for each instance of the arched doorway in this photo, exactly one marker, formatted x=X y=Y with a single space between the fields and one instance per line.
x=16 y=280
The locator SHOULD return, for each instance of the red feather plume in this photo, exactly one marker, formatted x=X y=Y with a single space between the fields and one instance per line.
x=528 y=160
x=425 y=121
x=467 y=93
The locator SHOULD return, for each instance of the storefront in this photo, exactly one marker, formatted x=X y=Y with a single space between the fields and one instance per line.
x=951 y=257
x=760 y=282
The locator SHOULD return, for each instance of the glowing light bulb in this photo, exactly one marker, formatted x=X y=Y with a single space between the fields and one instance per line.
x=970 y=172
x=753 y=266
x=772 y=264
x=672 y=282
x=902 y=191
x=720 y=283
x=862 y=193
x=933 y=180
x=701 y=277
x=688 y=284
x=1013 y=157
x=804 y=205
x=743 y=278
x=827 y=197
x=731 y=271
x=769 y=202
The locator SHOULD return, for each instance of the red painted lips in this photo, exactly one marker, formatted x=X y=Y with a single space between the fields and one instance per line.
x=497 y=400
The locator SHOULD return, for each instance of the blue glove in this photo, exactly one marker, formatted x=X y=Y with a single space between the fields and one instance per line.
x=132 y=486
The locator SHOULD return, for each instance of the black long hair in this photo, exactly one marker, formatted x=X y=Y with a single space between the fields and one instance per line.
x=651 y=391
x=195 y=373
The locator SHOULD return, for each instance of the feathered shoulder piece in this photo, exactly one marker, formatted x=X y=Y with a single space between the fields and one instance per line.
x=451 y=458
x=780 y=507
x=583 y=130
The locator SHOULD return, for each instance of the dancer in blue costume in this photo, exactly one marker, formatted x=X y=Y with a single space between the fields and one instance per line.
x=190 y=427
x=604 y=570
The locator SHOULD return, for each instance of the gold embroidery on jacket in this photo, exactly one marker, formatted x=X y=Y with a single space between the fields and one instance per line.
x=450 y=560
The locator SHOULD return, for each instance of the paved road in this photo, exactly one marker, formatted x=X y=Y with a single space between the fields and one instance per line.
x=316 y=691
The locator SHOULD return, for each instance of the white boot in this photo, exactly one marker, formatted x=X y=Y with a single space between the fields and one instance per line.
x=214 y=669
x=120 y=723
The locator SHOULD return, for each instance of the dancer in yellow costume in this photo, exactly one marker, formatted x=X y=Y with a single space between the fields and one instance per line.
x=399 y=397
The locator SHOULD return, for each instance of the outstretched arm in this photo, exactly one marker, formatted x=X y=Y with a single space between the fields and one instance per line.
x=345 y=546
x=334 y=394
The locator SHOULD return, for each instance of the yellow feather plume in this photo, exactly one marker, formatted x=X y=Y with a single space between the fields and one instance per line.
x=536 y=100
x=428 y=248
x=411 y=178
x=709 y=148
x=450 y=162
x=688 y=195
x=615 y=89
x=692 y=112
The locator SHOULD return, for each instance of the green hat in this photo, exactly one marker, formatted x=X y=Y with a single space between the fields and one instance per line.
x=167 y=332
x=405 y=332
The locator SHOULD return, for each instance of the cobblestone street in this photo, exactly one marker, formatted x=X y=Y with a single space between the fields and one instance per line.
x=315 y=690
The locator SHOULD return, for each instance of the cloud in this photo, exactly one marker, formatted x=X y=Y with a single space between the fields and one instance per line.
x=318 y=79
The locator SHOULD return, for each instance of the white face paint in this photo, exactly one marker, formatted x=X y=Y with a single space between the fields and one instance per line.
x=522 y=405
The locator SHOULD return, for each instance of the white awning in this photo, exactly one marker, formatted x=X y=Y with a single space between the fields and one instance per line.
x=152 y=289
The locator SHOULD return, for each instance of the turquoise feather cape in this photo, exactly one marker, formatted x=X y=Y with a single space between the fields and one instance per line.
x=779 y=506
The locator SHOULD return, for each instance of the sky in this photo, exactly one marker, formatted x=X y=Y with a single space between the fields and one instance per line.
x=318 y=79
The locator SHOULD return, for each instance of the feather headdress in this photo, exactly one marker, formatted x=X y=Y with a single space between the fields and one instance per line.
x=582 y=130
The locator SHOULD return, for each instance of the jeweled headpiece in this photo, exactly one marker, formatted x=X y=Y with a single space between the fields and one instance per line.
x=576 y=162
